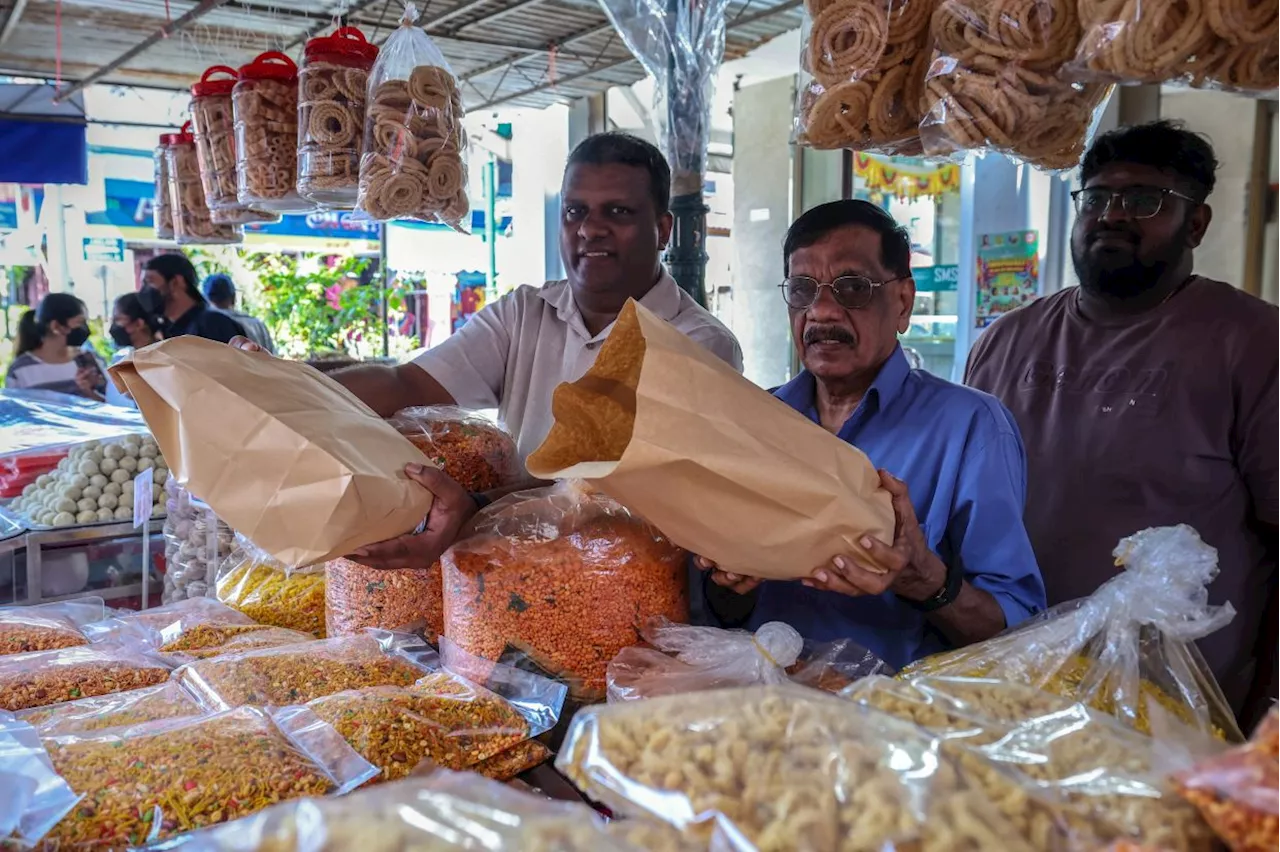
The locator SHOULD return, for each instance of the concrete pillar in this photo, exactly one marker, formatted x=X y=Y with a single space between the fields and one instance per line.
x=761 y=215
x=587 y=116
x=822 y=176
x=539 y=147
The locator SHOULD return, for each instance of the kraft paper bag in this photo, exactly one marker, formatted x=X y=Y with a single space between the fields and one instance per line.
x=720 y=466
x=282 y=453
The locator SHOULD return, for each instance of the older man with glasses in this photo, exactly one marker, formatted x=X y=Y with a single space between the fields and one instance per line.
x=962 y=568
x=1147 y=397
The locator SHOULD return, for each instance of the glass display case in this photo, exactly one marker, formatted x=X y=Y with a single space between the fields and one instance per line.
x=102 y=560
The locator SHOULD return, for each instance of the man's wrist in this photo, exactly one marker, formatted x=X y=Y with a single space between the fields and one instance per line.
x=943 y=594
x=927 y=581
x=481 y=500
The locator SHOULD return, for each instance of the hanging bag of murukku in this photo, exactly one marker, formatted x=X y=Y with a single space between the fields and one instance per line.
x=994 y=85
x=1128 y=649
x=864 y=65
x=332 y=86
x=265 y=107
x=214 y=127
x=192 y=224
x=414 y=141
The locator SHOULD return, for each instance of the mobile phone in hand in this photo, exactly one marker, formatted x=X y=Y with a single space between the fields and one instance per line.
x=86 y=361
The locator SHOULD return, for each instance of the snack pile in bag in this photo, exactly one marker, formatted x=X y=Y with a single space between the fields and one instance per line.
x=33 y=797
x=1128 y=649
x=47 y=627
x=83 y=671
x=270 y=592
x=476 y=453
x=683 y=658
x=359 y=596
x=167 y=700
x=563 y=575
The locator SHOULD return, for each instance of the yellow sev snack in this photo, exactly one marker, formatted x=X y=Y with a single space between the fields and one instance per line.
x=165 y=701
x=271 y=594
x=1128 y=649
x=145 y=783
x=68 y=674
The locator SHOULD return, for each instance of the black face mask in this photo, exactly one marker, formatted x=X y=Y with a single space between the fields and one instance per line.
x=77 y=337
x=119 y=336
x=151 y=299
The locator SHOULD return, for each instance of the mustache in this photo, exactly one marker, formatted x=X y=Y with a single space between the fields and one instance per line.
x=824 y=333
x=1128 y=233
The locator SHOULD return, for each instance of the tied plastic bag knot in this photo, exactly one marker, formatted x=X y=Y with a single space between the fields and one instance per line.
x=410 y=15
x=1166 y=582
x=778 y=643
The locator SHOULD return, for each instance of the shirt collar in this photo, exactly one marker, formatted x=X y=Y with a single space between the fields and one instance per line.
x=801 y=392
x=663 y=299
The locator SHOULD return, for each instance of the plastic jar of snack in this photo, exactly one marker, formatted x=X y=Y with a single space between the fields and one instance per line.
x=162 y=211
x=191 y=222
x=332 y=86
x=215 y=132
x=265 y=105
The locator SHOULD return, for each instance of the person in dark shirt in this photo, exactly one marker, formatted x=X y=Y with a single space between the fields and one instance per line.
x=169 y=291
x=1146 y=397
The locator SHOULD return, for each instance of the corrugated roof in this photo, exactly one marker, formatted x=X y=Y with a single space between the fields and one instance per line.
x=528 y=53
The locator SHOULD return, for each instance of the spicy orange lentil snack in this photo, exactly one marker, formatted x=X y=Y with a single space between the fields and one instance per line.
x=68 y=674
x=296 y=674
x=272 y=595
x=165 y=701
x=442 y=718
x=476 y=453
x=153 y=781
x=24 y=632
x=567 y=576
x=357 y=596
x=1237 y=792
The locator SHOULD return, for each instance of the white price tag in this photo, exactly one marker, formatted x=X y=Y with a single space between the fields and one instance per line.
x=143 y=498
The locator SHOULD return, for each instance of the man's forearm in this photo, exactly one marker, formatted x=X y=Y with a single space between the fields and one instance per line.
x=389 y=389
x=973 y=616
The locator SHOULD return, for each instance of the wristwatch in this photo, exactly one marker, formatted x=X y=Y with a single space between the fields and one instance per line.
x=479 y=499
x=946 y=595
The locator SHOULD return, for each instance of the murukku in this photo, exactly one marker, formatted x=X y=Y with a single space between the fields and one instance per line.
x=265 y=104
x=331 y=124
x=847 y=39
x=430 y=86
x=446 y=177
x=1129 y=41
x=331 y=115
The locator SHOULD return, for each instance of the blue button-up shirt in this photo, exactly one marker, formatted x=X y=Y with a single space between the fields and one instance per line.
x=961 y=456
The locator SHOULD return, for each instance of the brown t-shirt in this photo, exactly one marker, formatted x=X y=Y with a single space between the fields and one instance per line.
x=1148 y=421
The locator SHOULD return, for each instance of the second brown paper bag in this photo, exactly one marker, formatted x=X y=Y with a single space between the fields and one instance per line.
x=282 y=453
x=721 y=467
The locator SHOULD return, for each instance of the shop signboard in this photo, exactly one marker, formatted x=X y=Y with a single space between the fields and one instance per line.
x=103 y=250
x=936 y=279
x=1007 y=274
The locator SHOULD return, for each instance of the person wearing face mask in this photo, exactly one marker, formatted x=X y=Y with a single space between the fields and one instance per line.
x=131 y=328
x=49 y=338
x=169 y=291
x=1147 y=397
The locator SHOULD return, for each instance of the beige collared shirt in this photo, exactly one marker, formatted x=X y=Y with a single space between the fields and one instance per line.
x=514 y=353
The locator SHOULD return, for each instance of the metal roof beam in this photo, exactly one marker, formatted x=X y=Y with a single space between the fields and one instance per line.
x=11 y=21
x=529 y=53
x=470 y=6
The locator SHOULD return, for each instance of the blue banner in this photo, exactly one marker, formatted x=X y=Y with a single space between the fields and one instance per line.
x=43 y=152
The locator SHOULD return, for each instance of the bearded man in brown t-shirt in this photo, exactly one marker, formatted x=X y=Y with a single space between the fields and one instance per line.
x=1146 y=397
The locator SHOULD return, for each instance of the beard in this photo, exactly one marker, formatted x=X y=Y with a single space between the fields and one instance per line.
x=1126 y=272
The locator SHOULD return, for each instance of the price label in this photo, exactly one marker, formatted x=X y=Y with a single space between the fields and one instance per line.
x=143 y=498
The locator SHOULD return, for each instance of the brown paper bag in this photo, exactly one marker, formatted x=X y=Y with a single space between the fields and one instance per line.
x=721 y=467
x=282 y=453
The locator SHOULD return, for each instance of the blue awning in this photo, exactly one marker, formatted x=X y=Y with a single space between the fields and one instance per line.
x=42 y=152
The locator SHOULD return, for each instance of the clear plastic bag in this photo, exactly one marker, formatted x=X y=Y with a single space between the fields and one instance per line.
x=865 y=63
x=185 y=774
x=684 y=658
x=564 y=576
x=296 y=674
x=1063 y=775
x=265 y=107
x=442 y=811
x=162 y=212
x=516 y=760
x=993 y=84
x=1128 y=649
x=32 y=795
x=357 y=596
x=192 y=224
x=414 y=142
x=68 y=674
x=476 y=453
x=270 y=592
x=779 y=767
x=47 y=627
x=195 y=543
x=164 y=701
x=1238 y=792
x=332 y=87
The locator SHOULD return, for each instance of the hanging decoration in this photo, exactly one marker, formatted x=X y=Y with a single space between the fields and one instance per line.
x=905 y=178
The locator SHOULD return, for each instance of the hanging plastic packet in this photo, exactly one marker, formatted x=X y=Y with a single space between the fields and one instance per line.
x=1238 y=792
x=332 y=86
x=192 y=224
x=162 y=212
x=414 y=142
x=1128 y=649
x=265 y=106
x=865 y=63
x=47 y=627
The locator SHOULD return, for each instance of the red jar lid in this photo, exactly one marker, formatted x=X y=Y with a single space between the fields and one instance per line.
x=182 y=137
x=272 y=65
x=346 y=43
x=207 y=87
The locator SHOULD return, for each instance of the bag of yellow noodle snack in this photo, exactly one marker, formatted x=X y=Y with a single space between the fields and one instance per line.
x=1128 y=649
x=270 y=592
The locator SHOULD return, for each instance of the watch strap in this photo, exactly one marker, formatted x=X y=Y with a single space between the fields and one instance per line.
x=944 y=596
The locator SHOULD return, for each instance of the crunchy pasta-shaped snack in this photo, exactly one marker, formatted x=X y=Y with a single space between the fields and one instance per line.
x=164 y=701
x=265 y=106
x=192 y=224
x=67 y=674
x=332 y=88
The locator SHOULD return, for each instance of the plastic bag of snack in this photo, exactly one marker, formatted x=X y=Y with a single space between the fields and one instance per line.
x=47 y=627
x=295 y=674
x=32 y=795
x=332 y=86
x=477 y=453
x=414 y=142
x=778 y=767
x=514 y=761
x=192 y=224
x=683 y=658
x=444 y=810
x=164 y=701
x=1063 y=775
x=162 y=212
x=265 y=107
x=68 y=674
x=184 y=774
x=358 y=596
x=1128 y=649
x=864 y=67
x=563 y=575
x=1238 y=792
x=196 y=541
x=993 y=84
x=270 y=592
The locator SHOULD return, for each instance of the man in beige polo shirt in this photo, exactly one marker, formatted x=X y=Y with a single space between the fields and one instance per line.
x=614 y=226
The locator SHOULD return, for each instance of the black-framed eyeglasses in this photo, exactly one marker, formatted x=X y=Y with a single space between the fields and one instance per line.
x=1138 y=202
x=849 y=291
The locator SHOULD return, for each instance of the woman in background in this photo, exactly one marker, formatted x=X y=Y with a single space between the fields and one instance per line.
x=131 y=328
x=49 y=339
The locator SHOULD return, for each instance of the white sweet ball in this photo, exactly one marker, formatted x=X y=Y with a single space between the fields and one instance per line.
x=29 y=490
x=93 y=492
x=114 y=452
x=46 y=519
x=43 y=479
x=145 y=463
x=113 y=488
x=124 y=513
x=129 y=463
x=98 y=479
x=107 y=465
x=96 y=455
x=161 y=476
x=121 y=476
x=132 y=440
x=126 y=496
x=148 y=451
x=157 y=493
x=92 y=445
x=86 y=517
x=88 y=504
x=79 y=480
x=108 y=501
x=65 y=505
x=106 y=514
x=66 y=519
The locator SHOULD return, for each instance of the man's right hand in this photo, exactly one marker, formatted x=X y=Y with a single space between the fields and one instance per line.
x=733 y=582
x=244 y=344
x=452 y=508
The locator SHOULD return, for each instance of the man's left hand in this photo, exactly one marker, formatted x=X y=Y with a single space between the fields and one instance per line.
x=450 y=511
x=914 y=572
